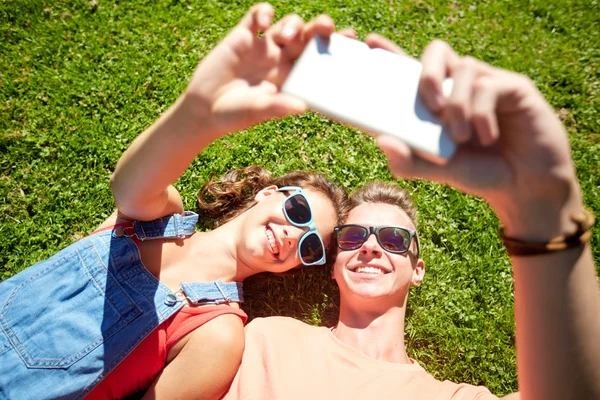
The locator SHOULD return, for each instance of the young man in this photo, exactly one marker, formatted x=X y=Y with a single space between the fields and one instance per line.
x=363 y=356
x=516 y=156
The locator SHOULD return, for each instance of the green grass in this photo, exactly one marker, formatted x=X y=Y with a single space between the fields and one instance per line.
x=77 y=84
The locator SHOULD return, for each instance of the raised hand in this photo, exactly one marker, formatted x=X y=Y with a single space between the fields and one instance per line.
x=514 y=151
x=237 y=84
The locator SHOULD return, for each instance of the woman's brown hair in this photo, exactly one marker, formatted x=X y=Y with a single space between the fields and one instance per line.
x=233 y=193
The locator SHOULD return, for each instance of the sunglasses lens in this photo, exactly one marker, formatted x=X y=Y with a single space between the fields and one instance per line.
x=394 y=239
x=311 y=249
x=351 y=237
x=297 y=209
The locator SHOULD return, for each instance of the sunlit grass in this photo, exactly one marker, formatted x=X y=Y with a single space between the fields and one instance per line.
x=78 y=83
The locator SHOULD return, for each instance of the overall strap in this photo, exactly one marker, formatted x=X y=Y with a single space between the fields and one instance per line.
x=173 y=226
x=215 y=292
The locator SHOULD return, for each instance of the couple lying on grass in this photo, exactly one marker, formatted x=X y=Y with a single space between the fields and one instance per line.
x=148 y=305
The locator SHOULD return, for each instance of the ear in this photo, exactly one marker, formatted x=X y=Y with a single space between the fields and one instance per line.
x=418 y=273
x=265 y=192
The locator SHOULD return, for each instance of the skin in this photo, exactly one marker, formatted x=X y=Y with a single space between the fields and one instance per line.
x=234 y=87
x=400 y=270
x=515 y=154
x=230 y=260
x=373 y=307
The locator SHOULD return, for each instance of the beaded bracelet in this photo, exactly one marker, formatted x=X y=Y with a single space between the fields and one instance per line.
x=584 y=221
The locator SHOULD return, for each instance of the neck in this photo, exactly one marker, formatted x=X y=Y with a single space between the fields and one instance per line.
x=377 y=334
x=219 y=253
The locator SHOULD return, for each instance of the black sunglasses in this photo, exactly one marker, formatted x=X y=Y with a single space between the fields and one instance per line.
x=297 y=210
x=395 y=239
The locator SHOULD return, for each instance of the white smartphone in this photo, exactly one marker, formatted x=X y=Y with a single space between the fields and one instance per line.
x=371 y=89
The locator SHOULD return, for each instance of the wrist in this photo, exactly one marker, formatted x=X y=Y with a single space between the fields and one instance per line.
x=541 y=218
x=584 y=220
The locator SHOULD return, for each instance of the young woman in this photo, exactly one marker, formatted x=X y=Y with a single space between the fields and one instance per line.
x=143 y=292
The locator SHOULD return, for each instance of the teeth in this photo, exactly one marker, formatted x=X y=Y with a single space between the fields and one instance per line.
x=369 y=270
x=272 y=241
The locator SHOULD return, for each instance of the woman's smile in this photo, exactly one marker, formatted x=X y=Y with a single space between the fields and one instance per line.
x=272 y=241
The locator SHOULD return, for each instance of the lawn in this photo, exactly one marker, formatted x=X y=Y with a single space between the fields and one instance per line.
x=79 y=81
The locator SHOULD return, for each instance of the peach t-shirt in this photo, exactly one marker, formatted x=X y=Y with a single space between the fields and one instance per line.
x=288 y=359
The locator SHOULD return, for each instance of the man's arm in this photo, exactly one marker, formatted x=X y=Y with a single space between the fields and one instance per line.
x=557 y=320
x=516 y=155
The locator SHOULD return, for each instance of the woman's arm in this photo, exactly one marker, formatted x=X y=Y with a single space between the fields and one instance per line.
x=141 y=183
x=516 y=155
x=205 y=366
x=234 y=87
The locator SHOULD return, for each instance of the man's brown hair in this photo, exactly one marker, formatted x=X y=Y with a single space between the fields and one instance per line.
x=385 y=192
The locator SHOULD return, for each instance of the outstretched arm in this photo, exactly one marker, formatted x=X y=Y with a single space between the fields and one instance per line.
x=515 y=154
x=234 y=87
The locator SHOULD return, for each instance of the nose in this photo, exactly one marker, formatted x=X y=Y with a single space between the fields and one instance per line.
x=371 y=246
x=292 y=234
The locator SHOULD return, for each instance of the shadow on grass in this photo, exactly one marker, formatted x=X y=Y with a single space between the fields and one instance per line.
x=308 y=294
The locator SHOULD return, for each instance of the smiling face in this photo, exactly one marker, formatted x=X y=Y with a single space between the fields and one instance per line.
x=370 y=272
x=269 y=241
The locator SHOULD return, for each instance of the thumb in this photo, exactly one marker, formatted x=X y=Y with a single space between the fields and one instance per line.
x=403 y=162
x=474 y=171
x=278 y=106
x=376 y=41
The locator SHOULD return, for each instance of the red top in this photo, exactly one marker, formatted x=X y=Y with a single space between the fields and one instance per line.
x=141 y=367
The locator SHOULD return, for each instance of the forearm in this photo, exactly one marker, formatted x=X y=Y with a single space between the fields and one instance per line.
x=158 y=157
x=558 y=326
x=557 y=309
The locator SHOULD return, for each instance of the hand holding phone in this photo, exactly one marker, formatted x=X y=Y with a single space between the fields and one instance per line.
x=371 y=89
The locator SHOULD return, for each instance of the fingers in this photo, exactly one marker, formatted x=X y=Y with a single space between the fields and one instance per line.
x=440 y=61
x=485 y=122
x=258 y=18
x=348 y=32
x=322 y=25
x=292 y=33
x=376 y=41
x=470 y=108
x=286 y=30
x=436 y=59
x=457 y=110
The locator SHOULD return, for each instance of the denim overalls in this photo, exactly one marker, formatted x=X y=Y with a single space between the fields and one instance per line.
x=66 y=322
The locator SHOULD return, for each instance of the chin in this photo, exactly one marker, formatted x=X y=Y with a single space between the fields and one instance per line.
x=374 y=292
x=367 y=291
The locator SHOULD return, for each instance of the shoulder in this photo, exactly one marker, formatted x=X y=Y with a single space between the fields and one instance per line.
x=464 y=391
x=227 y=328
x=273 y=327
x=278 y=322
x=450 y=390
x=225 y=334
